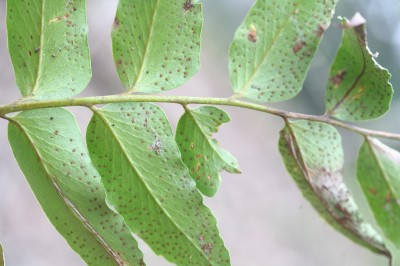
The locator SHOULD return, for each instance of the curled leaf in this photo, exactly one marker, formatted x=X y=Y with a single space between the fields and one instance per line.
x=313 y=156
x=358 y=87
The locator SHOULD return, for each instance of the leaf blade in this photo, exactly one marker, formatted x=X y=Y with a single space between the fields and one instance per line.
x=313 y=156
x=377 y=174
x=48 y=47
x=149 y=185
x=156 y=44
x=358 y=88
x=200 y=151
x=273 y=47
x=48 y=147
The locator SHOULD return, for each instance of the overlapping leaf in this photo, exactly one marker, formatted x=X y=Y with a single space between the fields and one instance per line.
x=156 y=43
x=273 y=48
x=358 y=87
x=133 y=148
x=378 y=170
x=313 y=156
x=200 y=151
x=48 y=46
x=48 y=147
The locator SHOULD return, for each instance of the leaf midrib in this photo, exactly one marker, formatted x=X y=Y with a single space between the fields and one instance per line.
x=74 y=209
x=39 y=70
x=127 y=157
x=146 y=50
x=353 y=86
x=246 y=86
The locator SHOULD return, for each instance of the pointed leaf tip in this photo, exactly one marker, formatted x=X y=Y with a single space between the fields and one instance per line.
x=273 y=48
x=313 y=156
x=358 y=88
x=200 y=151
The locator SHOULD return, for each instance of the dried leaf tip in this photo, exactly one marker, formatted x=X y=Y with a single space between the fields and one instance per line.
x=355 y=21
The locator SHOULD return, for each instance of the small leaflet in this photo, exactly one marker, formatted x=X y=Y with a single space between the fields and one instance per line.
x=201 y=153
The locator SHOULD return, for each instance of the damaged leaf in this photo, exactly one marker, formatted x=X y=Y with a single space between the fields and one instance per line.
x=313 y=156
x=358 y=87
x=200 y=151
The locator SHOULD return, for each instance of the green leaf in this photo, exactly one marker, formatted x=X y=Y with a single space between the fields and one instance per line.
x=358 y=88
x=156 y=43
x=378 y=169
x=48 y=147
x=48 y=45
x=313 y=156
x=200 y=151
x=1 y=256
x=272 y=49
x=133 y=148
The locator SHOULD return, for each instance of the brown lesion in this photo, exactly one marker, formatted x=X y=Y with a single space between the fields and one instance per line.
x=187 y=5
x=116 y=23
x=252 y=34
x=298 y=46
x=338 y=78
x=320 y=30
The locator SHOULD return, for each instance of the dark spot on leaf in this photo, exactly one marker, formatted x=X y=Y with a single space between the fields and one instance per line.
x=297 y=47
x=320 y=30
x=207 y=248
x=116 y=23
x=187 y=6
x=252 y=35
x=338 y=78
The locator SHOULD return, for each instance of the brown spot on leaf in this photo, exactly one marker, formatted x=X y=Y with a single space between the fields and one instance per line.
x=297 y=47
x=373 y=191
x=252 y=35
x=187 y=6
x=320 y=30
x=118 y=62
x=338 y=78
x=388 y=197
x=116 y=23
x=207 y=248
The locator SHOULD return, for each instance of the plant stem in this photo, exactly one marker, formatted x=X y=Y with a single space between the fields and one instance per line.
x=183 y=100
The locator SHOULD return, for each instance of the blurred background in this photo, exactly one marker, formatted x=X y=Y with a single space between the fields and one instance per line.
x=261 y=214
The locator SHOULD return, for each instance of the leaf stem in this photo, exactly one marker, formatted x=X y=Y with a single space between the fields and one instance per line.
x=184 y=100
